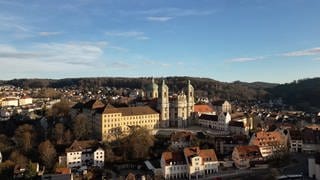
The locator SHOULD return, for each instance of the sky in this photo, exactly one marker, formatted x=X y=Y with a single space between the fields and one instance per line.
x=227 y=40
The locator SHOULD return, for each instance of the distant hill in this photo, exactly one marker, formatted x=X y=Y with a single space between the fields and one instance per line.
x=304 y=94
x=203 y=86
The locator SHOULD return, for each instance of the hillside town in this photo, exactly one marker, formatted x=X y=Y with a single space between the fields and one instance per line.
x=152 y=133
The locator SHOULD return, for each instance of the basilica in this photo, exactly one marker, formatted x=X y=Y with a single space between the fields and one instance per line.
x=175 y=110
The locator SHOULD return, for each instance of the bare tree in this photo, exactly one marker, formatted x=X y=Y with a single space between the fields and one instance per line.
x=81 y=127
x=25 y=137
x=58 y=133
x=47 y=154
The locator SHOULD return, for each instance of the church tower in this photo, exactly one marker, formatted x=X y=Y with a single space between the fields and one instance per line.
x=152 y=90
x=190 y=101
x=163 y=104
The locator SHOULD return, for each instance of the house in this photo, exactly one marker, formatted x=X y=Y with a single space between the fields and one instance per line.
x=245 y=156
x=270 y=143
x=314 y=167
x=174 y=165
x=85 y=153
x=192 y=162
x=215 y=122
x=200 y=162
x=181 y=139
x=295 y=141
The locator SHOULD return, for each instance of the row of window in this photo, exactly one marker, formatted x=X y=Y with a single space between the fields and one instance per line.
x=116 y=116
x=131 y=123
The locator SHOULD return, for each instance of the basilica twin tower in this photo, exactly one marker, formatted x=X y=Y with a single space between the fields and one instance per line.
x=176 y=110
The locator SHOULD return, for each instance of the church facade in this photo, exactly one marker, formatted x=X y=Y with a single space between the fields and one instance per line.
x=175 y=110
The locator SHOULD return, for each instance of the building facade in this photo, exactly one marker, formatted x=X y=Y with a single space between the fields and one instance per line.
x=244 y=156
x=116 y=121
x=270 y=143
x=84 y=153
x=191 y=163
x=175 y=110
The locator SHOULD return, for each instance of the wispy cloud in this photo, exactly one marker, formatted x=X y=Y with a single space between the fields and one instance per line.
x=306 y=52
x=317 y=59
x=52 y=58
x=12 y=23
x=129 y=34
x=49 y=33
x=245 y=59
x=159 y=18
x=175 y=12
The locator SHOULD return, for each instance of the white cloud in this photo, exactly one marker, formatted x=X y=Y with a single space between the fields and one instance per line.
x=245 y=59
x=49 y=33
x=317 y=59
x=306 y=52
x=159 y=18
x=129 y=34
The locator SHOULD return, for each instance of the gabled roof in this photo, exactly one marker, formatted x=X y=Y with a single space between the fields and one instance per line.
x=82 y=145
x=203 y=108
x=93 y=104
x=205 y=154
x=263 y=138
x=131 y=111
x=78 y=105
x=208 y=117
x=250 y=151
x=174 y=158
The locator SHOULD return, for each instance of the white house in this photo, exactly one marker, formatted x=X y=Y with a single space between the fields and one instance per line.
x=85 y=153
x=173 y=165
x=191 y=163
x=201 y=162
x=215 y=122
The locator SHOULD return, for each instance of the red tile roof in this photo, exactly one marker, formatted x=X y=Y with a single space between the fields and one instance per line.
x=203 y=108
x=173 y=157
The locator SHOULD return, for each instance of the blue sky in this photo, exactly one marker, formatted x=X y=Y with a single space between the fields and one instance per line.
x=247 y=40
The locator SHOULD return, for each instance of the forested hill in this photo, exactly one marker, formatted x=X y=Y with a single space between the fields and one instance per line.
x=203 y=86
x=304 y=94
